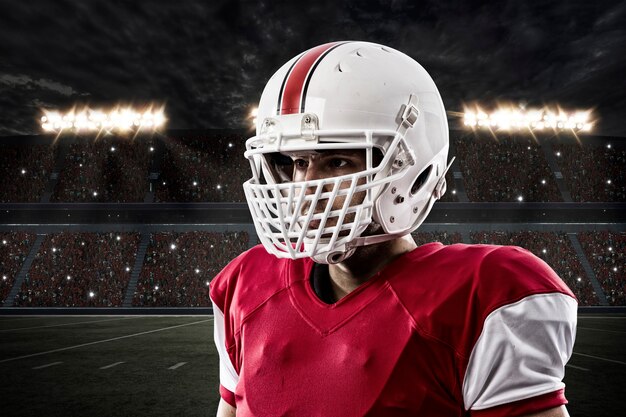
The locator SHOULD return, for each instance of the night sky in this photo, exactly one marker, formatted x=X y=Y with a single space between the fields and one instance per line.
x=208 y=61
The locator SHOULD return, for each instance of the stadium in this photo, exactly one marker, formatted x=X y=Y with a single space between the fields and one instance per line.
x=136 y=229
x=113 y=225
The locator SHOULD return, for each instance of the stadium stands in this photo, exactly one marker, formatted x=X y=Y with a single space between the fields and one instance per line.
x=203 y=168
x=606 y=252
x=593 y=173
x=24 y=172
x=109 y=169
x=80 y=270
x=209 y=167
x=179 y=266
x=14 y=248
x=504 y=169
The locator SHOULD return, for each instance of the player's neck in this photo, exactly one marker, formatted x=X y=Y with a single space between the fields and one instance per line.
x=346 y=276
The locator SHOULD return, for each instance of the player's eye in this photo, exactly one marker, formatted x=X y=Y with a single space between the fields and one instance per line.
x=338 y=163
x=300 y=163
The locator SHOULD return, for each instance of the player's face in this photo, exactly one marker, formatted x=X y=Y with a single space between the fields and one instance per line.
x=320 y=165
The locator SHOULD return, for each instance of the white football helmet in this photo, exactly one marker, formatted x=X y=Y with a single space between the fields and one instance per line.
x=346 y=95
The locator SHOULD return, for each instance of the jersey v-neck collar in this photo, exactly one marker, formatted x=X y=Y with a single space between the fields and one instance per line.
x=326 y=318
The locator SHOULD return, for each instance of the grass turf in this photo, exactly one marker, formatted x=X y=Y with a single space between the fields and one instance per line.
x=145 y=386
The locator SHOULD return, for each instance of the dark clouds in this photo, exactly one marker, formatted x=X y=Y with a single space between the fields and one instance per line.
x=208 y=60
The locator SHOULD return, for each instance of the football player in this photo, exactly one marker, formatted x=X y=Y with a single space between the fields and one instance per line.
x=339 y=312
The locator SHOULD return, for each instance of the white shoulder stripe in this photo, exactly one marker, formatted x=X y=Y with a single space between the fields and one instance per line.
x=521 y=352
x=228 y=375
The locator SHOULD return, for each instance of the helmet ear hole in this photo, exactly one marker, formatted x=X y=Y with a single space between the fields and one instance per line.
x=421 y=180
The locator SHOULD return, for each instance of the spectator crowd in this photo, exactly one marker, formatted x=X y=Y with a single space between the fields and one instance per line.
x=14 y=246
x=178 y=267
x=593 y=173
x=109 y=169
x=24 y=172
x=94 y=269
x=80 y=270
x=505 y=169
x=606 y=252
x=203 y=168
x=210 y=167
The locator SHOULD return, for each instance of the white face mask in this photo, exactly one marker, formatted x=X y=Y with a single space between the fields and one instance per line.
x=343 y=205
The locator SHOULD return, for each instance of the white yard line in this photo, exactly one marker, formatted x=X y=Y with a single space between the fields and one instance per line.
x=65 y=324
x=599 y=358
x=111 y=365
x=47 y=365
x=102 y=341
x=577 y=367
x=600 y=330
x=178 y=365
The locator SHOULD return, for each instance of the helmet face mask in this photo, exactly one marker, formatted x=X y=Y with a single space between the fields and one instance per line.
x=325 y=218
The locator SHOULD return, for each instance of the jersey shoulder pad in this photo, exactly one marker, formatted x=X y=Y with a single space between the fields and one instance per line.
x=250 y=278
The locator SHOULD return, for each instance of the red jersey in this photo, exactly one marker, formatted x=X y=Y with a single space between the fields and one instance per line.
x=441 y=331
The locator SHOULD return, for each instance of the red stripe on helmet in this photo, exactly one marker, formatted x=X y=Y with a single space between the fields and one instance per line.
x=292 y=94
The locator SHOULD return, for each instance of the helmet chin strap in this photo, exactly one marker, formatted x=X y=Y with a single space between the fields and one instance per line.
x=343 y=252
x=333 y=257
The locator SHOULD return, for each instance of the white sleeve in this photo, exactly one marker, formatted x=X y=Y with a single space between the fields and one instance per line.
x=228 y=376
x=521 y=352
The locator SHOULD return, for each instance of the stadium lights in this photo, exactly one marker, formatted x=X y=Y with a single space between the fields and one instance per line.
x=253 y=115
x=533 y=120
x=89 y=120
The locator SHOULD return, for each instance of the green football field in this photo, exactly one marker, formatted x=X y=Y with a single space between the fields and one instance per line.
x=167 y=366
